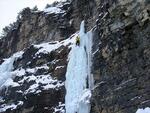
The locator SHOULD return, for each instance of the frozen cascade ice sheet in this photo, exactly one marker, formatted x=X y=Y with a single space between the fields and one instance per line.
x=78 y=93
x=5 y=69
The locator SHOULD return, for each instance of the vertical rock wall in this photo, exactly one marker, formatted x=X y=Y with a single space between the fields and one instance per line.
x=122 y=79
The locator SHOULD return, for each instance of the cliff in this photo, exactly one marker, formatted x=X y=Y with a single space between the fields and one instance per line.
x=122 y=75
x=120 y=57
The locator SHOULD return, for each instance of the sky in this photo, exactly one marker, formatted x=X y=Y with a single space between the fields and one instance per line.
x=10 y=8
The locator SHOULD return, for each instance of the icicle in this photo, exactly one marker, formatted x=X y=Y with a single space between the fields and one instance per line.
x=82 y=28
x=89 y=51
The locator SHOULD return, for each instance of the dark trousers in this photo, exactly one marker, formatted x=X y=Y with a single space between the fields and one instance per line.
x=77 y=43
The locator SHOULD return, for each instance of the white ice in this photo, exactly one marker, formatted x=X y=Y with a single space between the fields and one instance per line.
x=78 y=75
x=5 y=69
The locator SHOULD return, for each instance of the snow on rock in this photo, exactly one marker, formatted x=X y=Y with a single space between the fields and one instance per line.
x=21 y=72
x=78 y=74
x=34 y=79
x=59 y=108
x=146 y=110
x=18 y=72
x=58 y=67
x=5 y=69
x=43 y=81
x=48 y=47
x=33 y=70
x=55 y=10
x=7 y=75
x=12 y=106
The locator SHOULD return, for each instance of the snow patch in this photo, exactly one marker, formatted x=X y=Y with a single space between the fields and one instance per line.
x=146 y=110
x=59 y=108
x=48 y=47
x=59 y=67
x=21 y=72
x=12 y=106
x=55 y=10
x=18 y=72
x=44 y=81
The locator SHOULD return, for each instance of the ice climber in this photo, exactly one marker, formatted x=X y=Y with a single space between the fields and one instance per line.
x=77 y=40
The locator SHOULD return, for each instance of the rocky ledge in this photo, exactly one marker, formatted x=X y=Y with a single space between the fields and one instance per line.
x=37 y=82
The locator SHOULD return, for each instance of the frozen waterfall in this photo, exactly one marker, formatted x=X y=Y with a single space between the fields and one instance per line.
x=79 y=80
x=6 y=67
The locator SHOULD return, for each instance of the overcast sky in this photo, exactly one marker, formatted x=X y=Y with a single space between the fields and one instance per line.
x=10 y=8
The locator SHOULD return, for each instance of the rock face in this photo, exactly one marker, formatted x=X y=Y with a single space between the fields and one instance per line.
x=121 y=56
x=38 y=82
x=36 y=27
x=122 y=75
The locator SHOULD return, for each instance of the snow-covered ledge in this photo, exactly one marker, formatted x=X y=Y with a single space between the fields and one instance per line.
x=146 y=110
